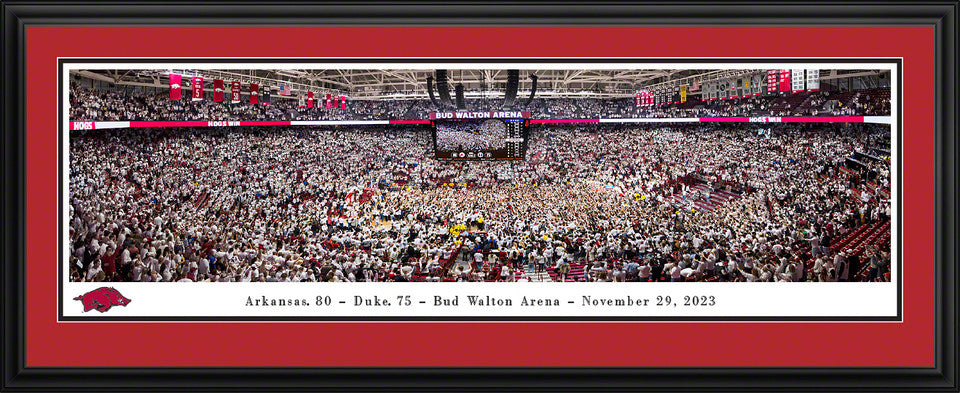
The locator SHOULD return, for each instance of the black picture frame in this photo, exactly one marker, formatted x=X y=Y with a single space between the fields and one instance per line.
x=941 y=15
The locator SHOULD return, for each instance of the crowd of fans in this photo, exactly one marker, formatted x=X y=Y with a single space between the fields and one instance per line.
x=105 y=105
x=369 y=204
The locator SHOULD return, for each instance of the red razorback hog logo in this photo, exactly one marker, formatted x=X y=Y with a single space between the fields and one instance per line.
x=102 y=299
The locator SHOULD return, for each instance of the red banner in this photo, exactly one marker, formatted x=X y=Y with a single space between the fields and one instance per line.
x=328 y=101
x=785 y=80
x=309 y=99
x=565 y=121
x=217 y=90
x=343 y=102
x=479 y=115
x=147 y=124
x=235 y=92
x=793 y=119
x=254 y=93
x=174 y=87
x=197 y=86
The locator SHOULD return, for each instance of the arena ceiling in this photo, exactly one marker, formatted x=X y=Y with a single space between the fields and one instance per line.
x=360 y=84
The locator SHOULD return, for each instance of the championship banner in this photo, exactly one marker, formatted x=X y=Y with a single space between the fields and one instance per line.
x=328 y=101
x=813 y=80
x=254 y=93
x=343 y=102
x=639 y=100
x=217 y=90
x=480 y=115
x=309 y=99
x=772 y=81
x=797 y=81
x=266 y=96
x=174 y=87
x=336 y=102
x=197 y=86
x=785 y=80
x=235 y=92
x=301 y=101
x=683 y=93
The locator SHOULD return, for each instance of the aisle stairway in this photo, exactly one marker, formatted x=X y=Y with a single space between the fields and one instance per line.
x=717 y=198
x=534 y=277
x=857 y=241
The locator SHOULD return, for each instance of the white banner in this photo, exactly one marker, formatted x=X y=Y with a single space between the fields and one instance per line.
x=813 y=80
x=797 y=80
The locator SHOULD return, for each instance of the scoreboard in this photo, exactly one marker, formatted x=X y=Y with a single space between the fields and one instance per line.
x=480 y=136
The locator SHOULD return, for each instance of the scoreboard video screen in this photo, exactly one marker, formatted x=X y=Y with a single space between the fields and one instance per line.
x=480 y=139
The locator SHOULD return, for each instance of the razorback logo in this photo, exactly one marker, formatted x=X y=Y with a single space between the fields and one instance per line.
x=253 y=93
x=102 y=299
x=175 y=86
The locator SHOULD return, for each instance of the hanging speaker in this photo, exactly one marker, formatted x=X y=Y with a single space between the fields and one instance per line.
x=533 y=89
x=513 y=83
x=461 y=103
x=433 y=99
x=443 y=88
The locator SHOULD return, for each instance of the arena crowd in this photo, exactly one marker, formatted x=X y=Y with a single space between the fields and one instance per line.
x=154 y=105
x=355 y=204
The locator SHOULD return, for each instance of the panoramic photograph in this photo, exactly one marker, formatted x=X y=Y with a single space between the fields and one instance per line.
x=479 y=175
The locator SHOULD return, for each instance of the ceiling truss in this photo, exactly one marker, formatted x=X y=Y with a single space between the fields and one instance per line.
x=366 y=84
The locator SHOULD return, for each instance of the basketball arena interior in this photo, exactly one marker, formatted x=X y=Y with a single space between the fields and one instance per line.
x=479 y=175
